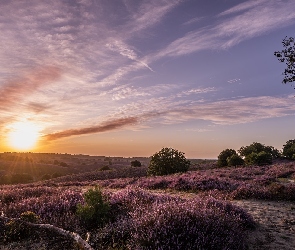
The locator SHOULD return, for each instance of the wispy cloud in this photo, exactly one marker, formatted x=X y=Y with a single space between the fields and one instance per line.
x=123 y=50
x=234 y=80
x=196 y=91
x=228 y=112
x=13 y=91
x=106 y=126
x=252 y=19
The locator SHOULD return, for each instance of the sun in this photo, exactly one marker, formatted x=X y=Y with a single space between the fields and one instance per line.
x=23 y=135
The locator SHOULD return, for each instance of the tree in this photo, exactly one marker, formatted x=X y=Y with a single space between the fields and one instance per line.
x=168 y=161
x=261 y=158
x=257 y=147
x=224 y=155
x=235 y=160
x=135 y=163
x=289 y=149
x=287 y=55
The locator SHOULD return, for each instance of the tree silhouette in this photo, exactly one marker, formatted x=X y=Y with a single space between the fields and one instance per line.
x=287 y=55
x=168 y=161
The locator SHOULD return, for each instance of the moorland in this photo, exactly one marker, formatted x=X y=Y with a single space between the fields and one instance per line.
x=62 y=201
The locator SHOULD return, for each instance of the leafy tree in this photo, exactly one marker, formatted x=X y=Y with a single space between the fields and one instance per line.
x=224 y=155
x=168 y=161
x=257 y=147
x=261 y=158
x=287 y=55
x=289 y=149
x=135 y=163
x=235 y=160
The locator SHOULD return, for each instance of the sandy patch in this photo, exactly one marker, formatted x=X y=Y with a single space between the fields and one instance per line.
x=276 y=224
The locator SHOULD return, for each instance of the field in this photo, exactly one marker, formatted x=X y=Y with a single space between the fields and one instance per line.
x=250 y=207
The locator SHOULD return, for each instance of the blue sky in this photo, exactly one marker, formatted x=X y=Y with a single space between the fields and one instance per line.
x=126 y=78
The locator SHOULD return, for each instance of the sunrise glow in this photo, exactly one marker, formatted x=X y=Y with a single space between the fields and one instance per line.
x=23 y=135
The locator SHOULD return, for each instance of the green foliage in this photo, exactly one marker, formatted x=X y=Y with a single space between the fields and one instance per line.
x=224 y=155
x=29 y=217
x=95 y=211
x=257 y=148
x=287 y=55
x=168 y=161
x=289 y=149
x=135 y=163
x=261 y=158
x=235 y=160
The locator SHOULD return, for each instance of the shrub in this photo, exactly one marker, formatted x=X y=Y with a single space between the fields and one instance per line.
x=168 y=161
x=29 y=217
x=135 y=163
x=95 y=211
x=104 y=168
x=224 y=155
x=289 y=149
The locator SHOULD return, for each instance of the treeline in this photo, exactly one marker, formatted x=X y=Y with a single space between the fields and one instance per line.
x=255 y=154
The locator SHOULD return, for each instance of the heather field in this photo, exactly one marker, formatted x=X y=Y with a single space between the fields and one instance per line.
x=249 y=207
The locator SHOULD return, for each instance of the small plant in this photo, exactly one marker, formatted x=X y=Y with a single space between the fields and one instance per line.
x=96 y=210
x=29 y=217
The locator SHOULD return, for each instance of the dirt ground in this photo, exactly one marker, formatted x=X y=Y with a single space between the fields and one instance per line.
x=276 y=224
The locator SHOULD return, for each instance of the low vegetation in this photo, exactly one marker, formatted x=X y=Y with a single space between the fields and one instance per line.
x=128 y=208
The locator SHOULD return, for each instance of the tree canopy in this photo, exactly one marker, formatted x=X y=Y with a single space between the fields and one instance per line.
x=224 y=156
x=287 y=55
x=289 y=149
x=168 y=161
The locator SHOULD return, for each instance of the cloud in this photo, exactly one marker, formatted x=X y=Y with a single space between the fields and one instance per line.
x=104 y=127
x=193 y=20
x=14 y=91
x=243 y=7
x=123 y=50
x=161 y=111
x=234 y=80
x=196 y=91
x=247 y=20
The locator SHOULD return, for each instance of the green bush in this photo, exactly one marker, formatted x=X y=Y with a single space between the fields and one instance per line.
x=262 y=158
x=168 y=161
x=135 y=163
x=257 y=148
x=289 y=150
x=224 y=155
x=95 y=211
x=235 y=160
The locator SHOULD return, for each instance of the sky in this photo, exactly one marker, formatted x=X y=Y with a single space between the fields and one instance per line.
x=127 y=78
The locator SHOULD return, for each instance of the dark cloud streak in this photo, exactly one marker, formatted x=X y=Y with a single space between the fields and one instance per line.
x=104 y=127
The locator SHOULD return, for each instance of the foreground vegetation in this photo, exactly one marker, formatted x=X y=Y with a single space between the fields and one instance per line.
x=189 y=210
